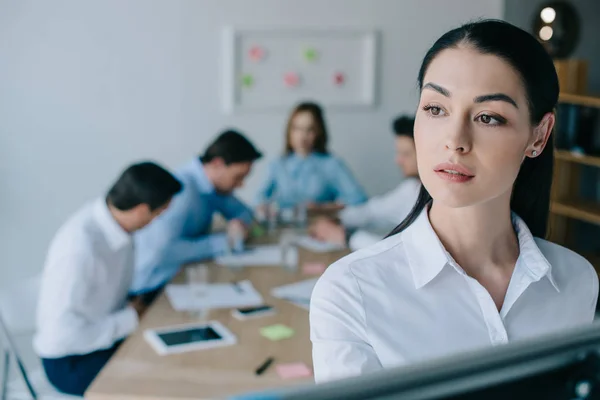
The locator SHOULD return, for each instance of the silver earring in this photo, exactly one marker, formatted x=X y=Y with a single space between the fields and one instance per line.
x=534 y=153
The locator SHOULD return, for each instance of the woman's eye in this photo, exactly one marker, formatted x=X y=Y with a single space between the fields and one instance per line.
x=489 y=120
x=433 y=110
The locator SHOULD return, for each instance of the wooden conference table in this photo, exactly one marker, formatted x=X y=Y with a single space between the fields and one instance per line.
x=136 y=371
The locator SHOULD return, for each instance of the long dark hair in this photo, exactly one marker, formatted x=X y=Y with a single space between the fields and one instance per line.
x=531 y=191
x=321 y=137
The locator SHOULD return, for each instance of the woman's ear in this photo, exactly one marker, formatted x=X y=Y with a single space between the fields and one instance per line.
x=541 y=134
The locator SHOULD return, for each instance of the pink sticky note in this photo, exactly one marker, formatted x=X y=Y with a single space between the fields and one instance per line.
x=313 y=268
x=293 y=370
x=339 y=79
x=291 y=79
x=256 y=53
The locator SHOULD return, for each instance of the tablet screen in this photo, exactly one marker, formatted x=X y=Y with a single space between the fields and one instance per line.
x=188 y=336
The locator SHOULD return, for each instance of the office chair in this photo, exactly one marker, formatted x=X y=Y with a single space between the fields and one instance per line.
x=17 y=325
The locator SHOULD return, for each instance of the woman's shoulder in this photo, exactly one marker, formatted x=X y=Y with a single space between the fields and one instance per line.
x=569 y=268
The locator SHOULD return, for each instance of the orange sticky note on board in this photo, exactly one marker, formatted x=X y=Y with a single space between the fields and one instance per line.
x=293 y=370
x=313 y=268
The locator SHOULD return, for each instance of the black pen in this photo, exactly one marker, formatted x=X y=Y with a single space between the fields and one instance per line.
x=264 y=366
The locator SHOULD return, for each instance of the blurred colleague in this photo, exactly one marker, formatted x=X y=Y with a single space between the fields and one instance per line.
x=83 y=311
x=307 y=173
x=183 y=233
x=362 y=225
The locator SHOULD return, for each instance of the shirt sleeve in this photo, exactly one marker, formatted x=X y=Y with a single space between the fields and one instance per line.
x=386 y=210
x=77 y=297
x=183 y=250
x=594 y=293
x=161 y=247
x=269 y=185
x=233 y=208
x=347 y=188
x=337 y=327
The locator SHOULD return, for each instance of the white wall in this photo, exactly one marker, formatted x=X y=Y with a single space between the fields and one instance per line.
x=87 y=87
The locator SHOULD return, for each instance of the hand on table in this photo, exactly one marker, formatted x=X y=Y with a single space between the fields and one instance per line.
x=327 y=230
x=236 y=230
x=138 y=305
x=262 y=212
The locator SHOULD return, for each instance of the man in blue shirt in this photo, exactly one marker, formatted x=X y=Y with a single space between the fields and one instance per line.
x=182 y=234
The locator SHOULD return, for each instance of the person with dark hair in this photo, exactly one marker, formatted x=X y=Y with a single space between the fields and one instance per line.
x=468 y=267
x=361 y=226
x=183 y=233
x=307 y=173
x=84 y=311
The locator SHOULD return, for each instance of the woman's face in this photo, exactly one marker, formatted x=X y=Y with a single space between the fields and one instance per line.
x=473 y=129
x=303 y=133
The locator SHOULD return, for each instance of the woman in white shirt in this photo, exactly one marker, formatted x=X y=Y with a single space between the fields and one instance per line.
x=363 y=225
x=467 y=268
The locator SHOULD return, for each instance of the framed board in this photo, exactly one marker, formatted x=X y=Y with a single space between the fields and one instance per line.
x=273 y=69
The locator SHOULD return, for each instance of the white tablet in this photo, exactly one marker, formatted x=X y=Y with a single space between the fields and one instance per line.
x=189 y=337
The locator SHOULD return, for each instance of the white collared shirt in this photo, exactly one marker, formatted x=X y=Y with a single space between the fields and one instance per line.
x=374 y=219
x=404 y=300
x=83 y=300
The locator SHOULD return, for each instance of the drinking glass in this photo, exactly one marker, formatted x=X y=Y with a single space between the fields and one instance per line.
x=198 y=282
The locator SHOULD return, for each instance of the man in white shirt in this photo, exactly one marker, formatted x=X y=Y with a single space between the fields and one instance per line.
x=83 y=311
x=366 y=224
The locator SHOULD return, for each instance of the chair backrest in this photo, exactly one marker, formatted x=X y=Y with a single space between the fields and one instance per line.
x=17 y=315
x=18 y=305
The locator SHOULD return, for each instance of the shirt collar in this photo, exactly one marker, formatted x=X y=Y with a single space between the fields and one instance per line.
x=427 y=255
x=298 y=158
x=199 y=174
x=530 y=254
x=115 y=235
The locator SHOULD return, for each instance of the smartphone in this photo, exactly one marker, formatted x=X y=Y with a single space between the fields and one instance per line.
x=253 y=312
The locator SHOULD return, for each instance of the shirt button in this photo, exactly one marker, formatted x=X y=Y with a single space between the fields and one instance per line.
x=499 y=338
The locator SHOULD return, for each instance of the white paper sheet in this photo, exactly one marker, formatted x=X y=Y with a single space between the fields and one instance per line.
x=267 y=255
x=216 y=295
x=298 y=293
x=315 y=245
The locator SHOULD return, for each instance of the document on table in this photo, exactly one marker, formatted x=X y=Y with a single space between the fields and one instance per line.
x=298 y=293
x=266 y=255
x=216 y=295
x=315 y=245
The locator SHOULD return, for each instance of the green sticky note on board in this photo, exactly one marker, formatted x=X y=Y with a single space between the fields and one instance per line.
x=277 y=332
x=310 y=54
x=247 y=80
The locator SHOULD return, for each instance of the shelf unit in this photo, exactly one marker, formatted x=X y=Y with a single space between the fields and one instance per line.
x=578 y=99
x=577 y=209
x=565 y=207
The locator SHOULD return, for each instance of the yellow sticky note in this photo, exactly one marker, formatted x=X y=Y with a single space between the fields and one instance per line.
x=277 y=332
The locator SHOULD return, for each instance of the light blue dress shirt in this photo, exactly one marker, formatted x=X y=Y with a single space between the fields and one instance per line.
x=181 y=234
x=319 y=178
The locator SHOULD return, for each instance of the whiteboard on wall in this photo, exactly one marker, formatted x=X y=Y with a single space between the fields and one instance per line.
x=274 y=69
